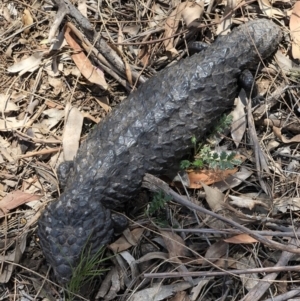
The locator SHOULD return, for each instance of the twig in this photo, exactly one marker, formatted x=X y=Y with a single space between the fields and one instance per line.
x=232 y=232
x=276 y=269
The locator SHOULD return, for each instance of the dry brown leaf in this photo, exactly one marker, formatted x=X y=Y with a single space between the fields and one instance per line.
x=174 y=244
x=295 y=30
x=241 y=239
x=28 y=64
x=284 y=204
x=27 y=20
x=54 y=117
x=285 y=63
x=15 y=199
x=216 y=251
x=6 y=105
x=238 y=126
x=214 y=197
x=56 y=83
x=103 y=102
x=72 y=133
x=123 y=244
x=233 y=180
x=277 y=132
x=192 y=13
x=160 y=292
x=208 y=176
x=270 y=11
x=82 y=7
x=90 y=72
x=249 y=280
x=225 y=24
x=14 y=257
x=188 y=10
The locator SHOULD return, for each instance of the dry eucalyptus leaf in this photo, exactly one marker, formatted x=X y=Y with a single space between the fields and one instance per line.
x=160 y=292
x=224 y=26
x=270 y=11
x=29 y=64
x=13 y=257
x=90 y=72
x=279 y=135
x=174 y=244
x=82 y=7
x=234 y=180
x=216 y=251
x=284 y=204
x=10 y=123
x=249 y=280
x=7 y=105
x=27 y=20
x=241 y=239
x=56 y=83
x=295 y=30
x=54 y=117
x=214 y=197
x=190 y=11
x=238 y=126
x=158 y=15
x=72 y=133
x=15 y=199
x=122 y=244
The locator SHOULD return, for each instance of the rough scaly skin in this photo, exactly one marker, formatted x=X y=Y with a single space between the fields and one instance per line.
x=148 y=132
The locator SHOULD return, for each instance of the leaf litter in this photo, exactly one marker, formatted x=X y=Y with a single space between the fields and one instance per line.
x=40 y=82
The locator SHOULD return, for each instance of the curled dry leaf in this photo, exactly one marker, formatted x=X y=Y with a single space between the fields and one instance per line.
x=295 y=30
x=72 y=133
x=270 y=11
x=123 y=244
x=90 y=72
x=241 y=239
x=27 y=20
x=279 y=135
x=29 y=64
x=190 y=12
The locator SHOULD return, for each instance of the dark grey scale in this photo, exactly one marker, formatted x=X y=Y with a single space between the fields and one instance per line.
x=149 y=132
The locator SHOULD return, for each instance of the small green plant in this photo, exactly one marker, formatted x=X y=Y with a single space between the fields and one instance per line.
x=158 y=202
x=203 y=155
x=211 y=159
x=86 y=271
x=224 y=123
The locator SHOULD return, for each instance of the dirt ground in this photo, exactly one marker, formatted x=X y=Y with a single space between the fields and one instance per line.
x=239 y=241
